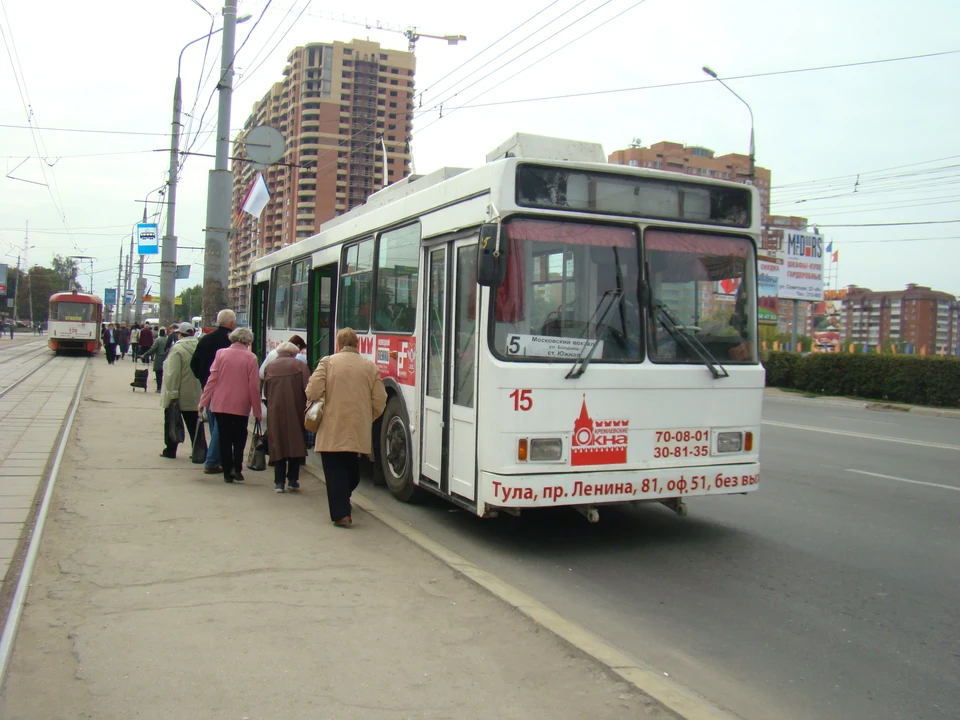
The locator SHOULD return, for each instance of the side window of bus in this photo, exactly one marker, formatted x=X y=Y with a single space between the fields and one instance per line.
x=356 y=286
x=298 y=294
x=280 y=298
x=397 y=259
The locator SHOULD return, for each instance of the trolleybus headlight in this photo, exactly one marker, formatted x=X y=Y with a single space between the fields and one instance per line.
x=729 y=441
x=543 y=449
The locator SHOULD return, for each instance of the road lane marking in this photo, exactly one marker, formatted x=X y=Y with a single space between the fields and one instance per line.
x=849 y=419
x=903 y=480
x=881 y=438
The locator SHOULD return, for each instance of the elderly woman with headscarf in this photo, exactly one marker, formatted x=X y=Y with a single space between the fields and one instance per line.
x=284 y=386
x=231 y=392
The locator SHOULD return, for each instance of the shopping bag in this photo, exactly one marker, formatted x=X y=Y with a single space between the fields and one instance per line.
x=257 y=456
x=199 y=455
x=174 y=423
x=313 y=415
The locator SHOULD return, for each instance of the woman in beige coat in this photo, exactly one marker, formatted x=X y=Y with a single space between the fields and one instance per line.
x=353 y=397
x=180 y=384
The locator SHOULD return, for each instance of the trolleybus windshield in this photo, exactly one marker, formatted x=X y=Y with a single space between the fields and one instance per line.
x=72 y=312
x=702 y=287
x=554 y=301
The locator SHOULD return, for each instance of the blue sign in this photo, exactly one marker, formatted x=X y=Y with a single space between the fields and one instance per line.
x=110 y=296
x=148 y=239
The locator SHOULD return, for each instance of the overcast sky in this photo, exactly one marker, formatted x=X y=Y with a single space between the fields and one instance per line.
x=109 y=65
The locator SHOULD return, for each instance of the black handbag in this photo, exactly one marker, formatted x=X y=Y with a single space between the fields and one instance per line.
x=174 y=423
x=257 y=456
x=199 y=454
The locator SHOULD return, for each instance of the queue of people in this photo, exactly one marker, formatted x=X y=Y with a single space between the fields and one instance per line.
x=215 y=379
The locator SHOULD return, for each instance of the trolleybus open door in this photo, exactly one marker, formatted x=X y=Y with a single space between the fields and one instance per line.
x=449 y=361
x=258 y=318
x=321 y=293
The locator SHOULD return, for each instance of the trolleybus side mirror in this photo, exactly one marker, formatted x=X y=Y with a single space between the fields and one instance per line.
x=492 y=256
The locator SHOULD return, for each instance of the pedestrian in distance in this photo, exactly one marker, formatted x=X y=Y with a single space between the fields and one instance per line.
x=157 y=352
x=231 y=392
x=285 y=388
x=180 y=384
x=145 y=339
x=201 y=363
x=353 y=397
x=135 y=342
x=110 y=343
x=123 y=339
x=12 y=327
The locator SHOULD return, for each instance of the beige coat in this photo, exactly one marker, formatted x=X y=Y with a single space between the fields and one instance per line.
x=353 y=397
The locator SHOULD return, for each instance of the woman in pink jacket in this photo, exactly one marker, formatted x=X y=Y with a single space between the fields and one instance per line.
x=231 y=392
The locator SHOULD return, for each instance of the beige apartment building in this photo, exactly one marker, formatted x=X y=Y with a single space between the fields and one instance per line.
x=338 y=107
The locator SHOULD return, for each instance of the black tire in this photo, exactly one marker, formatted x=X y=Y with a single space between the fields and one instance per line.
x=396 y=460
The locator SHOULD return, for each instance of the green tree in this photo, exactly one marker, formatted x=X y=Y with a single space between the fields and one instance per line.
x=192 y=301
x=65 y=274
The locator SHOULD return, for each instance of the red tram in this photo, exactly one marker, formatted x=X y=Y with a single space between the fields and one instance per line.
x=74 y=323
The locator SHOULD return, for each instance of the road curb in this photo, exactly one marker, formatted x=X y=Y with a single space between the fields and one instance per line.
x=682 y=701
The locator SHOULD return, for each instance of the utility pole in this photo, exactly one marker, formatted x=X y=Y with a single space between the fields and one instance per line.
x=220 y=183
x=16 y=292
x=26 y=245
x=118 y=297
x=141 y=283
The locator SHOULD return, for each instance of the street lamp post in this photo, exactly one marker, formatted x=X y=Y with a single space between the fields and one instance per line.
x=712 y=74
x=168 y=256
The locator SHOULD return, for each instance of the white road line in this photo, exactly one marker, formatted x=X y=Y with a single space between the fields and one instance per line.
x=881 y=438
x=904 y=480
x=850 y=419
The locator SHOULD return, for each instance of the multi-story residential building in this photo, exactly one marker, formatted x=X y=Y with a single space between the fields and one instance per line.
x=922 y=319
x=346 y=112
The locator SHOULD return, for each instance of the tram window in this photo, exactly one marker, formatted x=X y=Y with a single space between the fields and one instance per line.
x=356 y=286
x=72 y=312
x=397 y=259
x=280 y=302
x=298 y=294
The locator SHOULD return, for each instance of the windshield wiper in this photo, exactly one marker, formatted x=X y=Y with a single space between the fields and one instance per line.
x=691 y=342
x=582 y=361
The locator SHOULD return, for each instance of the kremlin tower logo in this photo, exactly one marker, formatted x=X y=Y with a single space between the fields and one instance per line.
x=598 y=442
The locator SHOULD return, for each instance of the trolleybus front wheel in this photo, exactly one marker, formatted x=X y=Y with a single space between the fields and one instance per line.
x=395 y=456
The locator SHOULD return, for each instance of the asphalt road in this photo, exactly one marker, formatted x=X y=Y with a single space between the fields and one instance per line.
x=830 y=593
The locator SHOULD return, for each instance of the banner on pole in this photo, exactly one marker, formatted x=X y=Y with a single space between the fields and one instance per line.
x=257 y=197
x=183 y=272
x=110 y=296
x=147 y=239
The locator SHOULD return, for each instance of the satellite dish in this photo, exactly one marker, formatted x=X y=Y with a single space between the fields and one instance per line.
x=264 y=145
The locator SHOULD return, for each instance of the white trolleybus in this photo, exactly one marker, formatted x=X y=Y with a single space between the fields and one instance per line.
x=551 y=330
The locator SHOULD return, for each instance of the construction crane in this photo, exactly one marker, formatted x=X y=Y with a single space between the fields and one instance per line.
x=410 y=33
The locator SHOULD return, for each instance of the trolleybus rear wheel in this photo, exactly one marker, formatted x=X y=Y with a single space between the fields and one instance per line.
x=395 y=456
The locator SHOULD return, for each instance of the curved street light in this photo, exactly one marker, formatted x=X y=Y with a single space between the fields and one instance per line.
x=168 y=252
x=712 y=74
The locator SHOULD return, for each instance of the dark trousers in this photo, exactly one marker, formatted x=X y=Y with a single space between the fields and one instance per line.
x=341 y=470
x=159 y=375
x=288 y=468
x=124 y=347
x=111 y=353
x=189 y=421
x=233 y=440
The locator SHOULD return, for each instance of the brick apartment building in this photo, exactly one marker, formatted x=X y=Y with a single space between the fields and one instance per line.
x=926 y=320
x=338 y=105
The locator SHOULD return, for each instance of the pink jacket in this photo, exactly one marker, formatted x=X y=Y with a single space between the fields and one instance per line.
x=234 y=383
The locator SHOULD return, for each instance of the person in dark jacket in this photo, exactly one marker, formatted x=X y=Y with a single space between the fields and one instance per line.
x=145 y=340
x=123 y=339
x=158 y=351
x=200 y=364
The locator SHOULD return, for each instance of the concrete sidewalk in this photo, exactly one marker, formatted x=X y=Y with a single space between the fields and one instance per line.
x=161 y=592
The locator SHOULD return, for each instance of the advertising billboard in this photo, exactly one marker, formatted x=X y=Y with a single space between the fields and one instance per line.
x=801 y=275
x=3 y=278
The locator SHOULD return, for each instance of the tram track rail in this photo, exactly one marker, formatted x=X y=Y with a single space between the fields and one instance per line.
x=19 y=352
x=13 y=385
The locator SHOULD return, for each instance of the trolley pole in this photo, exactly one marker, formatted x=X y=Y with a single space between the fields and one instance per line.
x=220 y=183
